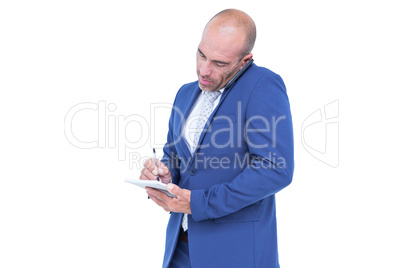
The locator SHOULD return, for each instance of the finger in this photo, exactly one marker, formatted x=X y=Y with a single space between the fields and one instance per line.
x=163 y=170
x=150 y=165
x=161 y=167
x=164 y=173
x=159 y=194
x=159 y=201
x=142 y=176
x=147 y=175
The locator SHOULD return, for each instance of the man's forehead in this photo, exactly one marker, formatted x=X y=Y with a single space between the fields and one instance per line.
x=224 y=47
x=216 y=52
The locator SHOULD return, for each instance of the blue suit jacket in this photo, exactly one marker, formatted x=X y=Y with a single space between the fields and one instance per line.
x=245 y=156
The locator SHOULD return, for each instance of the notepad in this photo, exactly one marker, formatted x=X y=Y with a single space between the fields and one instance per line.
x=153 y=184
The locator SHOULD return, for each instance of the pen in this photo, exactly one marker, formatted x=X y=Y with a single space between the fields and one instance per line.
x=156 y=165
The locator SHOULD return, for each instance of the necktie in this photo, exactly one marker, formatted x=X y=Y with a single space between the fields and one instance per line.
x=206 y=110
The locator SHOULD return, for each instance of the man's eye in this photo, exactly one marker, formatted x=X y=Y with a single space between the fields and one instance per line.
x=220 y=64
x=202 y=55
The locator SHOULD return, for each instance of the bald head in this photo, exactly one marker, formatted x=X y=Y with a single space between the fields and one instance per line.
x=225 y=48
x=233 y=21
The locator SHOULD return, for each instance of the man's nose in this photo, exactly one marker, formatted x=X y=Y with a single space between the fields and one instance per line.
x=205 y=69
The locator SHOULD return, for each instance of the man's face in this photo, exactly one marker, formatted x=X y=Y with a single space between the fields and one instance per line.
x=219 y=57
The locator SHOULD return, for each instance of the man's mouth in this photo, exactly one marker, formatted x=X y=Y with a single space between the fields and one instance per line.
x=204 y=81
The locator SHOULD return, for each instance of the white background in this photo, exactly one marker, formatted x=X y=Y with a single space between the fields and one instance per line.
x=62 y=206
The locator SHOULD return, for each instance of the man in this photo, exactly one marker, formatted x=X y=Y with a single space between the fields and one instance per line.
x=229 y=150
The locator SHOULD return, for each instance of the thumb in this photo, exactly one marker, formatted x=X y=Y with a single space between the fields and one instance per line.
x=174 y=189
x=164 y=174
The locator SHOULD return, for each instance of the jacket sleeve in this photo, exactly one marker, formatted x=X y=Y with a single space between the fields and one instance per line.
x=269 y=139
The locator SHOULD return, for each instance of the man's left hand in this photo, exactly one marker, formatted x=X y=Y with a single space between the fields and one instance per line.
x=179 y=204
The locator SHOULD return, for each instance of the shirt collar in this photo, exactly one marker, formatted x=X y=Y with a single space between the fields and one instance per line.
x=221 y=90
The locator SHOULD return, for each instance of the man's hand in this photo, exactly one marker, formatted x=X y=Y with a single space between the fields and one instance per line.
x=179 y=204
x=149 y=171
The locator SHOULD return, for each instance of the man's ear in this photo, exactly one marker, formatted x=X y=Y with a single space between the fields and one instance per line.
x=246 y=59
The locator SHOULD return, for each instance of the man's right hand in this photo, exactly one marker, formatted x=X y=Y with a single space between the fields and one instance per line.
x=149 y=171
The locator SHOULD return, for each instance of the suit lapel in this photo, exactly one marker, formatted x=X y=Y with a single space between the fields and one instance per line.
x=186 y=111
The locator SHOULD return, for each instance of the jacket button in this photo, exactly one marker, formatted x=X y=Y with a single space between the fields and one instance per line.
x=192 y=172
